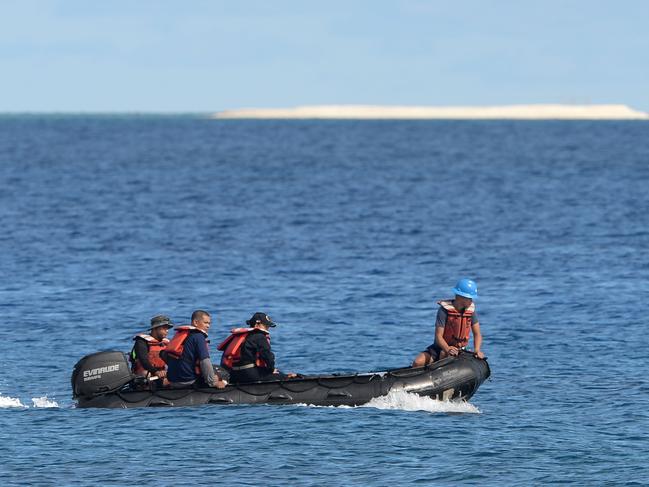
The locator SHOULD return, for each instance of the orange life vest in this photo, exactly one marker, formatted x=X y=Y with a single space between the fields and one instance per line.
x=231 y=347
x=176 y=345
x=458 y=325
x=154 y=349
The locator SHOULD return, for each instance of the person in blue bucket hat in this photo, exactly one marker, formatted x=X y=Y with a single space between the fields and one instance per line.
x=456 y=320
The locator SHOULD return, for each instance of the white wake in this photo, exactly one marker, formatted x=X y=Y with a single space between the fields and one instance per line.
x=37 y=402
x=44 y=402
x=10 y=402
x=407 y=401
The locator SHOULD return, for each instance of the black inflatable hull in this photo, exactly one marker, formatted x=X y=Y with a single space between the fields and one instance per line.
x=451 y=378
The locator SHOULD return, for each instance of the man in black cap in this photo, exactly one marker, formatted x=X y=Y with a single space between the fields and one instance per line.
x=145 y=355
x=247 y=354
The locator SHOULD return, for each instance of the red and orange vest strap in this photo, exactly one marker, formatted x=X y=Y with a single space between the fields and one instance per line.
x=448 y=306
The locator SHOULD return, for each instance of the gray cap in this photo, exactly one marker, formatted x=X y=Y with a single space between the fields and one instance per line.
x=161 y=320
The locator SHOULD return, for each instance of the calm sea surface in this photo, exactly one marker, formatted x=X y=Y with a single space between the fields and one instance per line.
x=346 y=233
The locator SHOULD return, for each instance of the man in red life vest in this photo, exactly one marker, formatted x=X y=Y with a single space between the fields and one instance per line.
x=188 y=356
x=145 y=355
x=247 y=354
x=456 y=318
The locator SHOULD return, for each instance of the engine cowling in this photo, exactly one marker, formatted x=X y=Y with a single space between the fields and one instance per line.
x=100 y=373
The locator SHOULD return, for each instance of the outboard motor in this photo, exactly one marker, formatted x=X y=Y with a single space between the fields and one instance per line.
x=100 y=373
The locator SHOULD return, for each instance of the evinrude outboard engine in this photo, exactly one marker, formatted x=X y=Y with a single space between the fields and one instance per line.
x=100 y=373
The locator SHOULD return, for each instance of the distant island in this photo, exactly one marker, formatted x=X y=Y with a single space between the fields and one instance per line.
x=371 y=112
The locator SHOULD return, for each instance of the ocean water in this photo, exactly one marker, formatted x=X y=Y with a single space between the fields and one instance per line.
x=346 y=233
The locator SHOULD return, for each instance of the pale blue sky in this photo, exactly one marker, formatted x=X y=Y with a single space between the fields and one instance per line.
x=169 y=56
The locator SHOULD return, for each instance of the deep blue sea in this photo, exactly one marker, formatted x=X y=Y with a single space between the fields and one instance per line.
x=346 y=233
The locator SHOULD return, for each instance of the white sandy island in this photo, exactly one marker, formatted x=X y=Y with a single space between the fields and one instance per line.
x=370 y=112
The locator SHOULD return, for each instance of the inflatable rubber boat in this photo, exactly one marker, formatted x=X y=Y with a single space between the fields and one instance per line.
x=104 y=380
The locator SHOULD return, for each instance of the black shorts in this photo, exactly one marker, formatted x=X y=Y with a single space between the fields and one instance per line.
x=434 y=351
x=253 y=374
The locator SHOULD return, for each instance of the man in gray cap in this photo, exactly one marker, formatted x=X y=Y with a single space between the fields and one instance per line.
x=145 y=355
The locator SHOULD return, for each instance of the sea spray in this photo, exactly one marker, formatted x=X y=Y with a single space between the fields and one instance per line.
x=37 y=402
x=10 y=402
x=407 y=401
x=44 y=402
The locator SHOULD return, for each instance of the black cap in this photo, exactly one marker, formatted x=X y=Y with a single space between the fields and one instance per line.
x=260 y=318
x=161 y=320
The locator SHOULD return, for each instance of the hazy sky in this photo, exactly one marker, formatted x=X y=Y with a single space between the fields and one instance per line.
x=140 y=55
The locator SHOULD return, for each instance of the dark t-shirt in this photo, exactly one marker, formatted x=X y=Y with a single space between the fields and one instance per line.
x=195 y=349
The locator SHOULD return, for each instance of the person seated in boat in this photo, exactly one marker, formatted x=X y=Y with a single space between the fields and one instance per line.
x=145 y=355
x=247 y=353
x=456 y=318
x=188 y=356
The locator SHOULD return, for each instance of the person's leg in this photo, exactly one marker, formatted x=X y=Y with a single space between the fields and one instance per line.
x=278 y=376
x=422 y=359
x=245 y=375
x=428 y=356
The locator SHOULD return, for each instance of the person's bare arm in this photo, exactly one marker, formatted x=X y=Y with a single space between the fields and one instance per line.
x=441 y=343
x=477 y=340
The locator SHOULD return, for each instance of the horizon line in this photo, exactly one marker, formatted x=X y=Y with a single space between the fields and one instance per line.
x=377 y=112
x=392 y=112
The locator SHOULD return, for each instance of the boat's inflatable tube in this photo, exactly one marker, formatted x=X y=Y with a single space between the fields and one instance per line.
x=103 y=380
